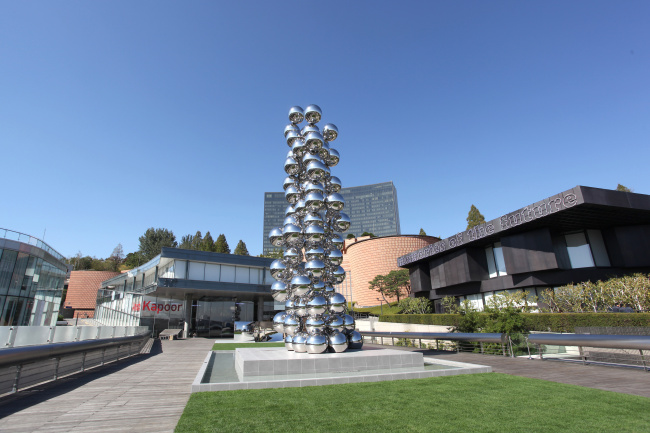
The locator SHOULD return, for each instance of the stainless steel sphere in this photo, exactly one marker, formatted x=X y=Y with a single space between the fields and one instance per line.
x=309 y=128
x=289 y=305
x=313 y=114
x=335 y=201
x=315 y=268
x=291 y=137
x=333 y=158
x=314 y=201
x=314 y=187
x=300 y=285
x=337 y=342
x=301 y=307
x=314 y=141
x=291 y=166
x=324 y=151
x=317 y=287
x=292 y=194
x=317 y=171
x=291 y=219
x=334 y=184
x=296 y=114
x=290 y=210
x=330 y=132
x=298 y=148
x=336 y=241
x=279 y=291
x=275 y=237
x=278 y=322
x=314 y=235
x=338 y=304
x=355 y=340
x=348 y=322
x=316 y=343
x=314 y=324
x=335 y=257
x=313 y=219
x=341 y=222
x=277 y=267
x=311 y=157
x=298 y=343
x=299 y=207
x=292 y=235
x=291 y=127
x=288 y=342
x=335 y=322
x=292 y=256
x=288 y=181
x=317 y=306
x=316 y=253
x=291 y=324
x=338 y=275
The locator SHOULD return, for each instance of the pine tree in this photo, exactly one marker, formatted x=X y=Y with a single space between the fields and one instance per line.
x=623 y=188
x=197 y=241
x=241 y=249
x=153 y=240
x=474 y=218
x=186 y=242
x=221 y=245
x=207 y=244
x=422 y=232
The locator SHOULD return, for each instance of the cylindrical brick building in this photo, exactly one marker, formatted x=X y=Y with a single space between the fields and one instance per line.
x=366 y=257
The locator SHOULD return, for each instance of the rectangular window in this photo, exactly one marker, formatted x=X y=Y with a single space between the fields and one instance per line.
x=211 y=272
x=598 y=248
x=579 y=251
x=492 y=267
x=179 y=269
x=197 y=271
x=227 y=274
x=499 y=260
x=241 y=275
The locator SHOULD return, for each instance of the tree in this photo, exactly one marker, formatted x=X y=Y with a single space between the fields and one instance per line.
x=116 y=258
x=378 y=284
x=350 y=236
x=133 y=260
x=474 y=218
x=372 y=235
x=208 y=243
x=221 y=245
x=186 y=242
x=241 y=249
x=394 y=284
x=197 y=241
x=422 y=232
x=623 y=188
x=154 y=240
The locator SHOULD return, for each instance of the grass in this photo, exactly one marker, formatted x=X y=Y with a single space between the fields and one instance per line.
x=233 y=346
x=488 y=402
x=379 y=310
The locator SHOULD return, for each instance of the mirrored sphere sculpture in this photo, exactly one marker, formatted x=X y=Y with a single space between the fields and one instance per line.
x=315 y=319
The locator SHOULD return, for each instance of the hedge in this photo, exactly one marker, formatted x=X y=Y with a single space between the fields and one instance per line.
x=549 y=322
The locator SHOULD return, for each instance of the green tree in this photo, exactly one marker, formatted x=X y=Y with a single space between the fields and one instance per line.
x=208 y=243
x=114 y=261
x=623 y=188
x=197 y=241
x=372 y=235
x=422 y=232
x=395 y=284
x=154 y=240
x=378 y=284
x=186 y=242
x=474 y=218
x=241 y=249
x=221 y=245
x=133 y=260
x=350 y=236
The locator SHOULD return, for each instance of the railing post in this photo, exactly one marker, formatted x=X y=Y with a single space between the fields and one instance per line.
x=103 y=355
x=481 y=344
x=582 y=355
x=392 y=341
x=539 y=352
x=83 y=361
x=645 y=367
x=56 y=368
x=19 y=368
x=50 y=339
x=420 y=343
x=437 y=347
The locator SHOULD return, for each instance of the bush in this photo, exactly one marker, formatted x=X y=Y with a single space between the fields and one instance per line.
x=414 y=306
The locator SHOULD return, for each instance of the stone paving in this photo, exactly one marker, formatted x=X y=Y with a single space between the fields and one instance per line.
x=148 y=393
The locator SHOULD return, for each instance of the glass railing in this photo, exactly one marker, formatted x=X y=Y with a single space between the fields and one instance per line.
x=31 y=240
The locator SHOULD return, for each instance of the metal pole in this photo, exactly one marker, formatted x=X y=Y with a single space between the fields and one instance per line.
x=17 y=378
x=582 y=355
x=645 y=367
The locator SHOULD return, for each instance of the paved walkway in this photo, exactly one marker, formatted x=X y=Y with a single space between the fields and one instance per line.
x=618 y=379
x=146 y=393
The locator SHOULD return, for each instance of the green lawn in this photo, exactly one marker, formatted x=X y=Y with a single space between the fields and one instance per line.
x=488 y=402
x=391 y=308
x=233 y=346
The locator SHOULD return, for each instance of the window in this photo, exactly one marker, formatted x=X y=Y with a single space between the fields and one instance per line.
x=495 y=260
x=579 y=251
x=598 y=248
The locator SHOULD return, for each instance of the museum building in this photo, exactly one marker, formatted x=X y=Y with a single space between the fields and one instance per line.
x=583 y=234
x=197 y=291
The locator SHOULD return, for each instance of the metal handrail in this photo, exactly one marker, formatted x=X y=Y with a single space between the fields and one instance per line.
x=31 y=240
x=451 y=336
x=19 y=355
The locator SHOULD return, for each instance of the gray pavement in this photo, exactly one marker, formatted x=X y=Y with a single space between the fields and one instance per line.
x=146 y=393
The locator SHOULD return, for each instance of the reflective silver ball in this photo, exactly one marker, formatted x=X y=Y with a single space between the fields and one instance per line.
x=317 y=305
x=314 y=201
x=298 y=148
x=324 y=151
x=317 y=171
x=330 y=132
x=311 y=157
x=300 y=285
x=348 y=322
x=314 y=235
x=314 y=324
x=336 y=241
x=335 y=257
x=291 y=127
x=291 y=166
x=341 y=222
x=292 y=194
x=288 y=181
x=279 y=291
x=334 y=185
x=316 y=253
x=278 y=322
x=315 y=268
x=299 y=341
x=355 y=340
x=291 y=137
x=290 y=210
x=296 y=114
x=318 y=286
x=292 y=256
x=335 y=201
x=314 y=187
x=313 y=114
x=291 y=219
x=338 y=275
x=299 y=207
x=289 y=306
x=277 y=267
x=291 y=324
x=309 y=128
x=337 y=342
x=275 y=237
x=335 y=322
x=338 y=304
x=313 y=219
x=292 y=235
x=301 y=308
x=288 y=342
x=314 y=141
x=316 y=343
x=333 y=158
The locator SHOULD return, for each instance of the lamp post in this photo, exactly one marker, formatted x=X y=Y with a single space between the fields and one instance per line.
x=381 y=306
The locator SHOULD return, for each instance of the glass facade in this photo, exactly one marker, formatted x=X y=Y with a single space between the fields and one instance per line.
x=372 y=208
x=32 y=275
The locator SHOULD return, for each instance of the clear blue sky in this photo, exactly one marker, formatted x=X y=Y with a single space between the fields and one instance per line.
x=117 y=116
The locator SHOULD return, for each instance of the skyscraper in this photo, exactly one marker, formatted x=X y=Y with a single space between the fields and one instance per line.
x=372 y=208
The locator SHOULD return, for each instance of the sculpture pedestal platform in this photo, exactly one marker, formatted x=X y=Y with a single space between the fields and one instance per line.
x=281 y=362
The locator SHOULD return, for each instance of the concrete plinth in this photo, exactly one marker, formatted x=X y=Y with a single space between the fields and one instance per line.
x=279 y=361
